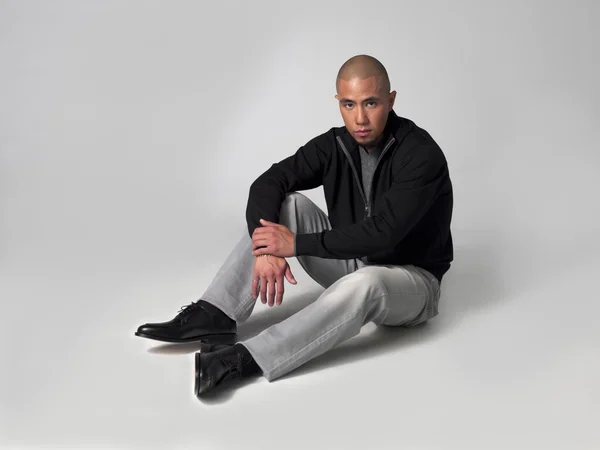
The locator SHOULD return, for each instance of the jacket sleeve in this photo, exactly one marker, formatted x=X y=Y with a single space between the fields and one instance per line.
x=414 y=189
x=301 y=171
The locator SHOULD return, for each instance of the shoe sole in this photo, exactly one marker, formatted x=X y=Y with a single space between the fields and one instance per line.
x=228 y=338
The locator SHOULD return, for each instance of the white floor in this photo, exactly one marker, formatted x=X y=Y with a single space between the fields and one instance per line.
x=510 y=362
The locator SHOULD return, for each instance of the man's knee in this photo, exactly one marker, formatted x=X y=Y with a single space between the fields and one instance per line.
x=294 y=198
x=293 y=204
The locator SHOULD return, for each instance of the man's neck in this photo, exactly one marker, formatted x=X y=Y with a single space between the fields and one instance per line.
x=375 y=145
x=372 y=147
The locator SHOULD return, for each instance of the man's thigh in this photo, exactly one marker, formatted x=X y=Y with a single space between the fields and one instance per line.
x=412 y=294
x=328 y=271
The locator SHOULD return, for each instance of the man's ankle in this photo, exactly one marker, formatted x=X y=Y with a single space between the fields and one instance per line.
x=249 y=366
x=215 y=310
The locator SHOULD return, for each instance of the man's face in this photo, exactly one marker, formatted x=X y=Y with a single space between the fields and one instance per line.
x=364 y=107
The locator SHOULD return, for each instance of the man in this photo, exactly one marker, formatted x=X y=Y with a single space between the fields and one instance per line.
x=380 y=253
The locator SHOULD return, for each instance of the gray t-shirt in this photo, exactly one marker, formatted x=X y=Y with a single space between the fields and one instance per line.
x=368 y=162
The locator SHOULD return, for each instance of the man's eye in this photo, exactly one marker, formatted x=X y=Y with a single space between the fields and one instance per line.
x=348 y=105
x=372 y=103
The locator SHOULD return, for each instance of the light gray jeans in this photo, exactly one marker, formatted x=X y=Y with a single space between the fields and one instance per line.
x=355 y=294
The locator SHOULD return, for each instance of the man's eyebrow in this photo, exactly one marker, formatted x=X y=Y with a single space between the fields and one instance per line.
x=369 y=99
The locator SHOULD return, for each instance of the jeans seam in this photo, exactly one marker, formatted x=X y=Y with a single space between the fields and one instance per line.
x=243 y=304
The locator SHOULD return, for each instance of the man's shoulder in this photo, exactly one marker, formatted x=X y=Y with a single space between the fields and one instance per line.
x=408 y=130
x=327 y=139
x=416 y=143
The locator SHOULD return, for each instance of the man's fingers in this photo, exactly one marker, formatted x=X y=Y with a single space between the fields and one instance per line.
x=263 y=290
x=260 y=231
x=254 y=283
x=268 y=224
x=259 y=243
x=265 y=250
x=280 y=290
x=271 y=291
x=289 y=276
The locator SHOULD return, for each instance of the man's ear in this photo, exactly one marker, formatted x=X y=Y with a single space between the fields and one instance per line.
x=392 y=99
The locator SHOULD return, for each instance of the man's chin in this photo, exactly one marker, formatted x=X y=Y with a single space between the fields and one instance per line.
x=367 y=141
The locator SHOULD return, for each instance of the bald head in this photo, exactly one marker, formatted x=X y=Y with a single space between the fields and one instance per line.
x=361 y=67
x=365 y=100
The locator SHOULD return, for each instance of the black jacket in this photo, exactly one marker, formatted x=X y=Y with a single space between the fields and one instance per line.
x=406 y=220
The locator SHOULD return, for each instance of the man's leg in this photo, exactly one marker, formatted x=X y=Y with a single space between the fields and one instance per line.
x=231 y=288
x=231 y=291
x=388 y=295
x=228 y=299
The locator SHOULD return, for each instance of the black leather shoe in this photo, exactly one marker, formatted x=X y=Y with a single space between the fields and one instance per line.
x=220 y=367
x=207 y=347
x=198 y=321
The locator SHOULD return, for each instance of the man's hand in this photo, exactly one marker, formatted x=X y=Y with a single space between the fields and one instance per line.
x=270 y=270
x=276 y=239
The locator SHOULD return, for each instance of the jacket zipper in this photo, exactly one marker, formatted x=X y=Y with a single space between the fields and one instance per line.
x=362 y=192
x=385 y=149
x=360 y=188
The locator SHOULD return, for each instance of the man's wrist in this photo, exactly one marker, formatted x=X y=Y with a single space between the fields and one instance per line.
x=272 y=256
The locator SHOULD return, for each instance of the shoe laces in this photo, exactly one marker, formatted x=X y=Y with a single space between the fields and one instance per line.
x=233 y=366
x=187 y=308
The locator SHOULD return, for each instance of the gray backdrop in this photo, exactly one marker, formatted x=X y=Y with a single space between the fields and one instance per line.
x=129 y=134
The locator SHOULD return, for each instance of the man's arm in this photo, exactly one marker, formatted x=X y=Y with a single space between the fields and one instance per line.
x=301 y=171
x=413 y=191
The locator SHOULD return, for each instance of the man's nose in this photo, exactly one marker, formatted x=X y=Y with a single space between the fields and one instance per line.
x=361 y=117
